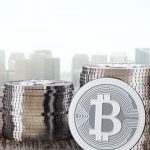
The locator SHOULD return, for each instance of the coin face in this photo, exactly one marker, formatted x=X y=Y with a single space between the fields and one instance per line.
x=107 y=114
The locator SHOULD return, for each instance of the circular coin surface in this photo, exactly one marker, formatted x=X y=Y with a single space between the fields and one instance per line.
x=106 y=114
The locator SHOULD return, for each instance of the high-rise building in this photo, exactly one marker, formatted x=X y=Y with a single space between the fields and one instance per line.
x=2 y=67
x=98 y=59
x=38 y=59
x=23 y=70
x=78 y=61
x=142 y=55
x=118 y=58
x=2 y=61
x=43 y=52
x=40 y=65
x=13 y=58
x=52 y=69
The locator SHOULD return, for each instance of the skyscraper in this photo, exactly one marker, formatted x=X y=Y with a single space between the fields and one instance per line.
x=2 y=61
x=13 y=58
x=23 y=69
x=78 y=61
x=43 y=52
x=38 y=59
x=40 y=65
x=98 y=59
x=118 y=57
x=2 y=67
x=142 y=55
x=52 y=69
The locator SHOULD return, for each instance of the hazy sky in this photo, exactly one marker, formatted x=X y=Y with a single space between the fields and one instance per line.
x=74 y=26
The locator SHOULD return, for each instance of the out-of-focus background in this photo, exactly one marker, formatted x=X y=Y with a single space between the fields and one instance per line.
x=53 y=39
x=41 y=64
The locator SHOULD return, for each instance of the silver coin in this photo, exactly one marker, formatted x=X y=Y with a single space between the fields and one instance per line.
x=137 y=76
x=117 y=66
x=16 y=95
x=28 y=103
x=40 y=84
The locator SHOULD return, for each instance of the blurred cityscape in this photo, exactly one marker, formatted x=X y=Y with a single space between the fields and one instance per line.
x=42 y=65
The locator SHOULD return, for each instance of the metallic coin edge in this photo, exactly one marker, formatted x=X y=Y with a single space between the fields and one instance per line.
x=121 y=84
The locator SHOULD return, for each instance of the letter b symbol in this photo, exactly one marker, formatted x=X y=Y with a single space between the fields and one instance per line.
x=99 y=117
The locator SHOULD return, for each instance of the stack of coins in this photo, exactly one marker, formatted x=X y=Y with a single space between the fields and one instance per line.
x=36 y=109
x=137 y=76
x=1 y=97
x=57 y=102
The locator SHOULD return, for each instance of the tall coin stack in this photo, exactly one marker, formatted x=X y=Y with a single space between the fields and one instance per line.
x=137 y=76
x=1 y=104
x=1 y=120
x=36 y=109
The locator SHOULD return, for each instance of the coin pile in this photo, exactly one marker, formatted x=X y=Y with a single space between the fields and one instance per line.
x=36 y=109
x=137 y=76
x=1 y=120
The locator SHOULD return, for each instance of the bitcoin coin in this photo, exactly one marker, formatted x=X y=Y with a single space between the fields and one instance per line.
x=107 y=113
x=137 y=76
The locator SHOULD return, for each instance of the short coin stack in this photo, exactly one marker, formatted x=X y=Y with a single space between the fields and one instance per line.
x=36 y=109
x=138 y=76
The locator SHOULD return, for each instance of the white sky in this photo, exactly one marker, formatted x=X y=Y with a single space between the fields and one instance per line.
x=74 y=26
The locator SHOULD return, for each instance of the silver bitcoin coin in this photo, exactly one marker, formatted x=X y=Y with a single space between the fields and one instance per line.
x=137 y=76
x=107 y=114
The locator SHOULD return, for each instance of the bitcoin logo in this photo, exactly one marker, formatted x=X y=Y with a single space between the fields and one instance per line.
x=100 y=136
x=106 y=114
